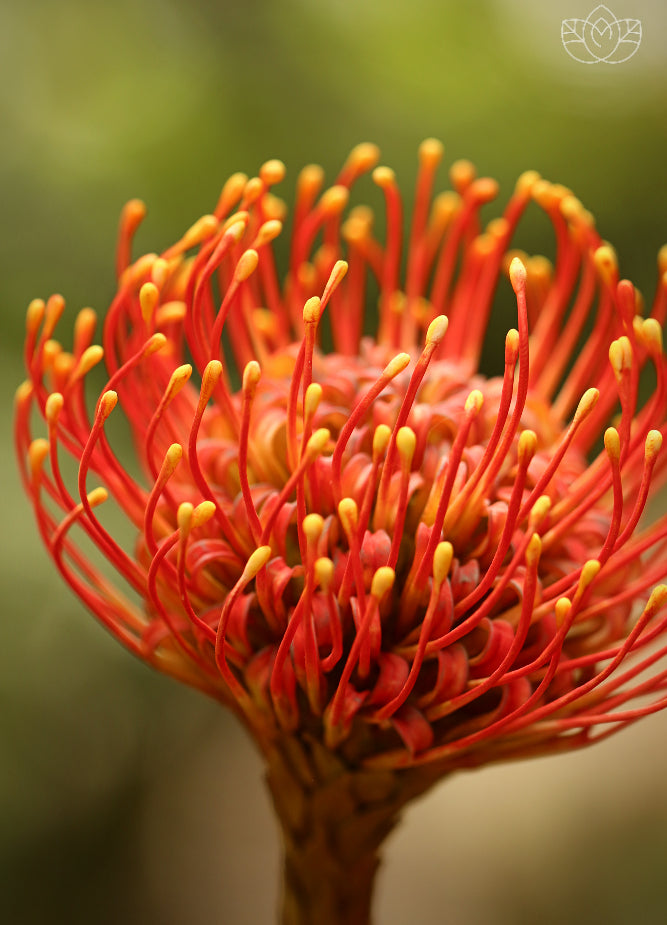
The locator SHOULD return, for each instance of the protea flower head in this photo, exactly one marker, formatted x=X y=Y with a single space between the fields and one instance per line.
x=388 y=565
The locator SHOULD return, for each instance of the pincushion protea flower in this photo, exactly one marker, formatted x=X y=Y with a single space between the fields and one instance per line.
x=389 y=566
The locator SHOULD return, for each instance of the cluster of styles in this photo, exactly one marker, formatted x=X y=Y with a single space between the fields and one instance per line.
x=368 y=545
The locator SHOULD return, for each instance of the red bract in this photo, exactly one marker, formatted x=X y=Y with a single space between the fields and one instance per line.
x=369 y=546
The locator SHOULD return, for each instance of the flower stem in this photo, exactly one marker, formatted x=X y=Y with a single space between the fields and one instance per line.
x=333 y=820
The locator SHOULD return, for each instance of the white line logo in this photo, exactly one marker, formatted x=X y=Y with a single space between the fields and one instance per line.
x=601 y=38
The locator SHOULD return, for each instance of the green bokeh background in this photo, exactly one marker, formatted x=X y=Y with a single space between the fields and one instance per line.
x=122 y=796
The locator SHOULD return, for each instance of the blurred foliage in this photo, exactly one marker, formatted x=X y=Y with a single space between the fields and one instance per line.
x=164 y=99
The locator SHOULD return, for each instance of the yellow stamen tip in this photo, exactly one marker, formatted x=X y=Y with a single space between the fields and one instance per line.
x=363 y=214
x=338 y=271
x=542 y=192
x=241 y=217
x=313 y=525
x=606 y=262
x=334 y=199
x=237 y=226
x=24 y=392
x=383 y=581
x=511 y=254
x=154 y=344
x=57 y=359
x=653 y=444
x=572 y=209
x=310 y=179
x=312 y=310
x=496 y=229
x=275 y=207
x=384 y=177
x=256 y=562
x=54 y=405
x=363 y=156
x=318 y=442
x=251 y=376
x=268 y=231
x=253 y=190
x=85 y=323
x=620 y=355
x=381 y=439
x=563 y=607
x=431 y=151
x=170 y=313
x=348 y=513
x=485 y=189
x=396 y=365
x=651 y=333
x=200 y=231
x=134 y=212
x=588 y=573
x=442 y=561
x=484 y=245
x=178 y=378
x=233 y=188
x=108 y=402
x=212 y=373
x=527 y=445
x=511 y=345
x=160 y=271
x=52 y=350
x=445 y=206
x=540 y=270
x=474 y=402
x=247 y=265
x=61 y=361
x=526 y=182
x=137 y=271
x=90 y=357
x=612 y=442
x=539 y=511
x=324 y=572
x=272 y=172
x=172 y=457
x=97 y=496
x=355 y=229
x=54 y=309
x=517 y=275
x=202 y=513
x=184 y=516
x=437 y=330
x=461 y=174
x=586 y=404
x=34 y=315
x=406 y=443
x=657 y=597
x=533 y=550
x=312 y=399
x=37 y=453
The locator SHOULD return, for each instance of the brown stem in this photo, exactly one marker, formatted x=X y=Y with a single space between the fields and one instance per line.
x=333 y=820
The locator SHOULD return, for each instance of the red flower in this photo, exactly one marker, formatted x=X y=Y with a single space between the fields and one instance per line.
x=368 y=544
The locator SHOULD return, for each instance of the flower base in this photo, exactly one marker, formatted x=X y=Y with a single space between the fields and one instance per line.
x=333 y=821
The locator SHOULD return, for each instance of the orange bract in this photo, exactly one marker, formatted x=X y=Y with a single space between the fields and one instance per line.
x=375 y=546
